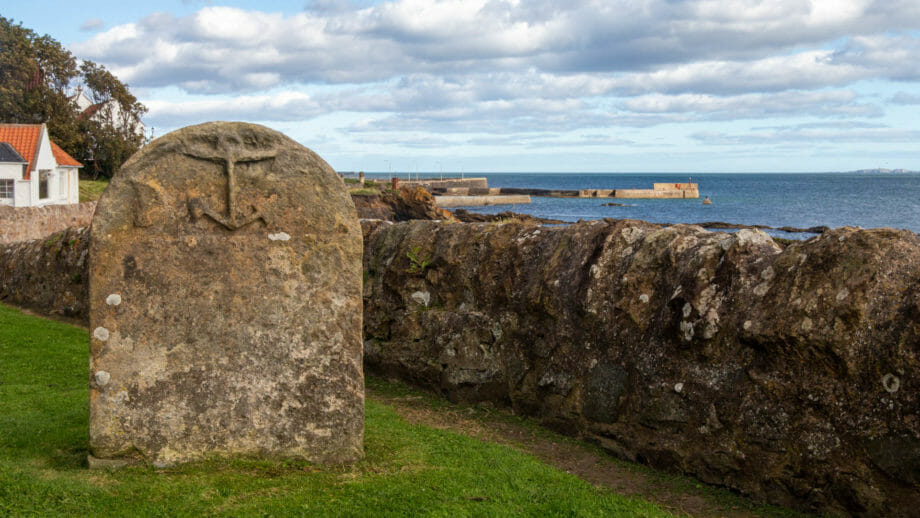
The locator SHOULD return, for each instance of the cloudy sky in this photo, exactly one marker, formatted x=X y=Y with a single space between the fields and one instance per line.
x=517 y=85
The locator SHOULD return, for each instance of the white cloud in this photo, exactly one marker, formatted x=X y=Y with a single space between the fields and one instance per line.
x=92 y=24
x=754 y=106
x=809 y=136
x=661 y=38
x=509 y=67
x=905 y=98
x=284 y=106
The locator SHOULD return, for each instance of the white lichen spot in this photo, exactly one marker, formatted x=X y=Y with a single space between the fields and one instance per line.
x=842 y=294
x=643 y=298
x=101 y=333
x=747 y=325
x=767 y=273
x=595 y=270
x=687 y=309
x=891 y=383
x=102 y=378
x=687 y=329
x=113 y=299
x=678 y=387
x=761 y=289
x=806 y=324
x=556 y=282
x=677 y=292
x=422 y=297
x=280 y=236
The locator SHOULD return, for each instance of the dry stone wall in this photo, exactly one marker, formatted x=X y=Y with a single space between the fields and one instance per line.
x=48 y=275
x=788 y=374
x=25 y=223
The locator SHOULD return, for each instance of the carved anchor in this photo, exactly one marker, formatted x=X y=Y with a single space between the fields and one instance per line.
x=228 y=158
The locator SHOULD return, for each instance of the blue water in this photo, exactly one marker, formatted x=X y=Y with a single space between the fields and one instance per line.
x=797 y=200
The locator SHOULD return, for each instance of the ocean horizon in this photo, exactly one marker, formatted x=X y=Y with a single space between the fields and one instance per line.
x=800 y=200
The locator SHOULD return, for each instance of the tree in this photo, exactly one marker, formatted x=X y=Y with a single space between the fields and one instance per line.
x=116 y=130
x=38 y=78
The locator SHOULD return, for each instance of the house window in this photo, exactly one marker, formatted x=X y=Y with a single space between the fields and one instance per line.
x=43 y=185
x=6 y=188
x=62 y=182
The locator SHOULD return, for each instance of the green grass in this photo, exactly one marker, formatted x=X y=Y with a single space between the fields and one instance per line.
x=676 y=484
x=408 y=470
x=91 y=190
x=364 y=191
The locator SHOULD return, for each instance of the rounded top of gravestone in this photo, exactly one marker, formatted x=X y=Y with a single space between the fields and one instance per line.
x=224 y=176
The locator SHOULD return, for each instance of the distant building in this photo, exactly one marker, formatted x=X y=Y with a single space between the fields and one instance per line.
x=108 y=110
x=34 y=171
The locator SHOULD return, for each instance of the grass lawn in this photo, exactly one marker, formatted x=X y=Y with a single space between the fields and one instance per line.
x=409 y=469
x=91 y=190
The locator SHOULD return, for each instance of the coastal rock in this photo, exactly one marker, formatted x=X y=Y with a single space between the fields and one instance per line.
x=788 y=374
x=403 y=204
x=413 y=203
x=225 y=310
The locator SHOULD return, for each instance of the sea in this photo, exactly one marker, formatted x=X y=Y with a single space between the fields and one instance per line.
x=800 y=200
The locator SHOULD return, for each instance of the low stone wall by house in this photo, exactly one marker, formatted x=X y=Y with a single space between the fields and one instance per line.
x=24 y=223
x=790 y=374
x=48 y=275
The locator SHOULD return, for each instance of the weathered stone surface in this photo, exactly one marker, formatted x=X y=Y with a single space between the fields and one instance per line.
x=413 y=203
x=789 y=374
x=48 y=275
x=225 y=311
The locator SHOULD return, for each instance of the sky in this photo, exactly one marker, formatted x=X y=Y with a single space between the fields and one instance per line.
x=525 y=86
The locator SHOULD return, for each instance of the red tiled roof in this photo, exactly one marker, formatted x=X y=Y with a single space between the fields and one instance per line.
x=24 y=138
x=62 y=158
x=89 y=112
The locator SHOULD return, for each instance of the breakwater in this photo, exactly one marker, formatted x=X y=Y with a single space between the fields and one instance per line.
x=476 y=192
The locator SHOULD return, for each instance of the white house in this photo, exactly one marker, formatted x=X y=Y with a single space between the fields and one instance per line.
x=104 y=111
x=34 y=171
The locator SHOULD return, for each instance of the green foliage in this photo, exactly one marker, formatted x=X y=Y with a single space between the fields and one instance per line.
x=418 y=262
x=38 y=78
x=363 y=192
x=408 y=470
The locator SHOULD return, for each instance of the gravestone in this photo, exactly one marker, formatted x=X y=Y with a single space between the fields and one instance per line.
x=225 y=303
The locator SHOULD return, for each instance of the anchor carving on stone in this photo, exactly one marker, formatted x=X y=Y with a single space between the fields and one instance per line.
x=226 y=156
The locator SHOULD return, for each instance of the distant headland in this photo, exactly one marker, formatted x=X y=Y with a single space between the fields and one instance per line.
x=884 y=171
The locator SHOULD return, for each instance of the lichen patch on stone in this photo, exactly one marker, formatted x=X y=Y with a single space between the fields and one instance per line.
x=101 y=333
x=102 y=378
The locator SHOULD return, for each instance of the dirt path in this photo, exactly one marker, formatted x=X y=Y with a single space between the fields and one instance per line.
x=680 y=497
